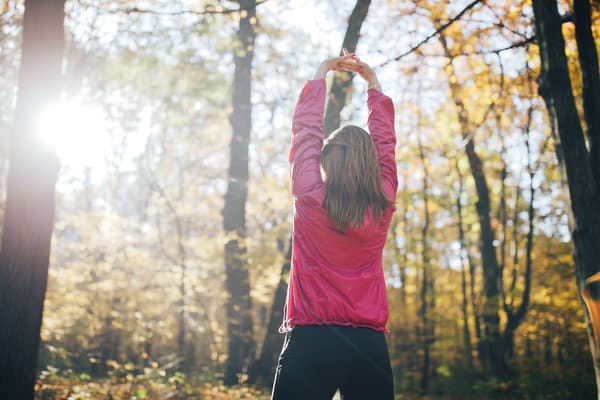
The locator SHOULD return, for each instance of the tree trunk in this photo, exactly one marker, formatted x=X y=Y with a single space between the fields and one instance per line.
x=401 y=257
x=588 y=61
x=237 y=283
x=427 y=283
x=263 y=370
x=514 y=319
x=337 y=99
x=490 y=346
x=463 y=255
x=341 y=87
x=29 y=215
x=180 y=260
x=181 y=348
x=405 y=230
x=556 y=89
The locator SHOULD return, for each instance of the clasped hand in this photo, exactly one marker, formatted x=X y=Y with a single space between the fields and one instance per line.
x=349 y=62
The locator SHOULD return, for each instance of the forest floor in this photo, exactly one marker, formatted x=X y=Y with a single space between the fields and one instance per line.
x=126 y=383
x=102 y=391
x=80 y=389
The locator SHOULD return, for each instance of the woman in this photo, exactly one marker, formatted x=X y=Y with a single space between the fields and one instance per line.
x=344 y=190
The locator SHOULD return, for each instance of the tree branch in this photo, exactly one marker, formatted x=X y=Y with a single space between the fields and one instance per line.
x=207 y=10
x=569 y=17
x=436 y=32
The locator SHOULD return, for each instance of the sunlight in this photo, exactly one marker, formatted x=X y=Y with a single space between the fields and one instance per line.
x=77 y=132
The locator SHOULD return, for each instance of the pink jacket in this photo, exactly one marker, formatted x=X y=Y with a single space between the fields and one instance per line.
x=336 y=278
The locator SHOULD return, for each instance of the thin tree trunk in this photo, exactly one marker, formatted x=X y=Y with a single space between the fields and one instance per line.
x=179 y=260
x=465 y=302
x=182 y=297
x=29 y=215
x=514 y=319
x=491 y=353
x=263 y=369
x=474 y=297
x=401 y=257
x=472 y=292
x=341 y=87
x=556 y=89
x=337 y=99
x=237 y=283
x=405 y=230
x=427 y=283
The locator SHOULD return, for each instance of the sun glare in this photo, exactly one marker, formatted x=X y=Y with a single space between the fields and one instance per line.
x=77 y=132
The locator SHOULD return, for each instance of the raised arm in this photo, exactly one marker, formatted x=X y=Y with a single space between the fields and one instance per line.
x=381 y=126
x=307 y=138
x=307 y=130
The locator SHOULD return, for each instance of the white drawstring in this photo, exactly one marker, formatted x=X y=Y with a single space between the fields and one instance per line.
x=285 y=324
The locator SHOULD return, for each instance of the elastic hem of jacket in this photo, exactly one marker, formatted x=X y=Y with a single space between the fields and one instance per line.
x=289 y=325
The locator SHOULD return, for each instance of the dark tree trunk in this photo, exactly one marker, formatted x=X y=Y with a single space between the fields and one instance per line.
x=548 y=357
x=463 y=256
x=490 y=341
x=341 y=87
x=515 y=318
x=490 y=346
x=29 y=215
x=588 y=61
x=336 y=101
x=427 y=294
x=474 y=297
x=404 y=260
x=263 y=370
x=401 y=257
x=472 y=292
x=181 y=333
x=399 y=344
x=181 y=329
x=556 y=89
x=237 y=283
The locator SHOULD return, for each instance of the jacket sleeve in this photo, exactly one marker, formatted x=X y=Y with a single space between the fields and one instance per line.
x=381 y=127
x=307 y=139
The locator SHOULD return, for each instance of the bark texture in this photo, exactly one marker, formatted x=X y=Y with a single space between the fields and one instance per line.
x=29 y=215
x=588 y=60
x=241 y=343
x=556 y=89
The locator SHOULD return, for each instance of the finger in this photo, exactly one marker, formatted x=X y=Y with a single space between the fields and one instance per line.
x=349 y=67
x=349 y=64
x=345 y=51
x=348 y=61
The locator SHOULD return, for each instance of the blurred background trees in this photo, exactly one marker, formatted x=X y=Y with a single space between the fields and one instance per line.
x=152 y=131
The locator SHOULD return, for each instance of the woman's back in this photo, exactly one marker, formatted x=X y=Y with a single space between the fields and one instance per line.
x=344 y=196
x=337 y=276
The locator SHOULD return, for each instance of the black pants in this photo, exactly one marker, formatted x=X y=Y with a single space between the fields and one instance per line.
x=318 y=360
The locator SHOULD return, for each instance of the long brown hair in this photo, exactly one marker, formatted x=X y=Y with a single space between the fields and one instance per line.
x=352 y=178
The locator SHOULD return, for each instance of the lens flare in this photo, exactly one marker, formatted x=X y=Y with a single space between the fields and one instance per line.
x=77 y=132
